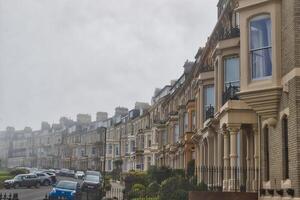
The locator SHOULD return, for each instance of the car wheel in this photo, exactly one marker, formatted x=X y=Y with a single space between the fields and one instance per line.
x=37 y=185
x=46 y=183
x=17 y=185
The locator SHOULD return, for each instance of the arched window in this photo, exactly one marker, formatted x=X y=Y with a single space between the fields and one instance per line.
x=266 y=154
x=260 y=47
x=285 y=148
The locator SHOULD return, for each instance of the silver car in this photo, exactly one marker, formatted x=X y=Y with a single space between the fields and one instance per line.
x=45 y=179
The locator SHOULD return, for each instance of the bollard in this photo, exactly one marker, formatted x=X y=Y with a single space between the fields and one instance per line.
x=9 y=196
x=4 y=197
x=46 y=197
x=0 y=196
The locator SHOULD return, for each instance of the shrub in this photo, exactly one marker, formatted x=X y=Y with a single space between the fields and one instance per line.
x=158 y=175
x=175 y=187
x=132 y=178
x=153 y=189
x=202 y=187
x=16 y=172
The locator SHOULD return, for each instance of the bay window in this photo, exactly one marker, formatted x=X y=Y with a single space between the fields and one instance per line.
x=260 y=47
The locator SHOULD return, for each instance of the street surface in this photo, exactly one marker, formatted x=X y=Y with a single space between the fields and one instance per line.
x=35 y=193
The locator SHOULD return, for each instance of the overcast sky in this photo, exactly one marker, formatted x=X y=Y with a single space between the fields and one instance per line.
x=63 y=57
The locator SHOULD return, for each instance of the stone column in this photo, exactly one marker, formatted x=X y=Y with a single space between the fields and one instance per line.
x=220 y=156
x=226 y=159
x=234 y=180
x=256 y=158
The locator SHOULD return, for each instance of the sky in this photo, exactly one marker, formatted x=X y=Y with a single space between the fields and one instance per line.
x=64 y=57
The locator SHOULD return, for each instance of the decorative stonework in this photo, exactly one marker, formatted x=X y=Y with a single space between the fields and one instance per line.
x=264 y=102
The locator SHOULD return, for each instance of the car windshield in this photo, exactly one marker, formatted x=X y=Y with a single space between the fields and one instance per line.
x=92 y=178
x=79 y=172
x=67 y=185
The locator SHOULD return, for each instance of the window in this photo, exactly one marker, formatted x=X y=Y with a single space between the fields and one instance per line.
x=94 y=150
x=261 y=47
x=186 y=121
x=176 y=133
x=132 y=146
x=285 y=148
x=109 y=165
x=126 y=148
x=193 y=120
x=266 y=154
x=231 y=72
x=117 y=150
x=164 y=137
x=109 y=149
x=149 y=141
x=209 y=102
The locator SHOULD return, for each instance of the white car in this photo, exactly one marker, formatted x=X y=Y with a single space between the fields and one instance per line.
x=79 y=175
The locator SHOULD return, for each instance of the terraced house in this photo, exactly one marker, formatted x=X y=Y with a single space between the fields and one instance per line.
x=235 y=112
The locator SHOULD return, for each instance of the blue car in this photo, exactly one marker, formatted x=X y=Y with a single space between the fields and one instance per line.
x=68 y=190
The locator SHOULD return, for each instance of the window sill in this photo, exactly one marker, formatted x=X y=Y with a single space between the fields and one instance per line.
x=262 y=78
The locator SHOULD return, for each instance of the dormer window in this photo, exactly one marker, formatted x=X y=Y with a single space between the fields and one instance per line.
x=260 y=47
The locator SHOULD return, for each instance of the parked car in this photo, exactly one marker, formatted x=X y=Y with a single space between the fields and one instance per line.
x=23 y=180
x=93 y=173
x=67 y=172
x=68 y=190
x=52 y=176
x=45 y=179
x=90 y=182
x=79 y=175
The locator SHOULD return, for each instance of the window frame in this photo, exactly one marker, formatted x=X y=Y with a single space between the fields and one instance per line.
x=250 y=50
x=224 y=69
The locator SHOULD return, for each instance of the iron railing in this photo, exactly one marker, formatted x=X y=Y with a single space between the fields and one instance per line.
x=229 y=34
x=239 y=179
x=230 y=93
x=209 y=112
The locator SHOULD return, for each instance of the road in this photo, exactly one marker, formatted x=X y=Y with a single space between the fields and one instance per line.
x=34 y=193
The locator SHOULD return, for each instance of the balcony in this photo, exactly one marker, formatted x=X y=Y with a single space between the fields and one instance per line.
x=230 y=92
x=228 y=34
x=209 y=112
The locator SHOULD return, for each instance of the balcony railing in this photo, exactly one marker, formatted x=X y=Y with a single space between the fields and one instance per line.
x=209 y=112
x=230 y=92
x=228 y=34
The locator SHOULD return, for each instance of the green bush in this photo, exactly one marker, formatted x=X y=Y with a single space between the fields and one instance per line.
x=159 y=174
x=153 y=189
x=202 y=187
x=132 y=178
x=175 y=187
x=180 y=195
x=15 y=172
